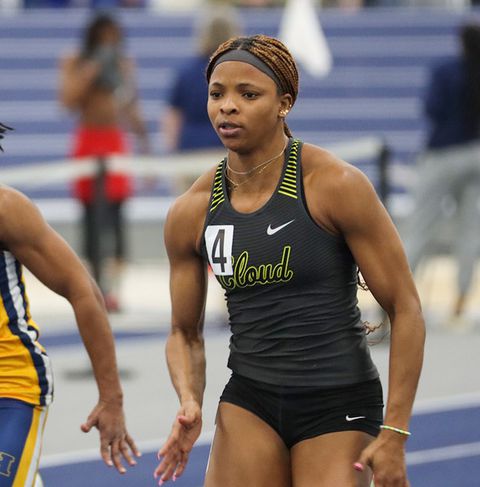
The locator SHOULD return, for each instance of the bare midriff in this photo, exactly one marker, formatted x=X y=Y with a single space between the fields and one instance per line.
x=99 y=109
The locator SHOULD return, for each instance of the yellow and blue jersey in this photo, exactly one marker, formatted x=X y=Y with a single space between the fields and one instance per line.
x=25 y=369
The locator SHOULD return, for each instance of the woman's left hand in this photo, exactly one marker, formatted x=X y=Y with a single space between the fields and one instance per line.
x=386 y=457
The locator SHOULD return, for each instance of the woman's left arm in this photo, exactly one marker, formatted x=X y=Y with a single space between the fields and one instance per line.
x=375 y=244
x=131 y=107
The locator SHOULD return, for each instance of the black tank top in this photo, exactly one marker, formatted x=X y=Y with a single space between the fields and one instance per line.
x=290 y=288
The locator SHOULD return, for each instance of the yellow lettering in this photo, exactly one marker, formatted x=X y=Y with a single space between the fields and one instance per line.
x=245 y=275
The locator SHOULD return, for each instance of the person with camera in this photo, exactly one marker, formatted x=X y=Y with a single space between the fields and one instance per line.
x=97 y=84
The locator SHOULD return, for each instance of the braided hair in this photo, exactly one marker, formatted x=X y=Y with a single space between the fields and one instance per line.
x=273 y=53
x=3 y=129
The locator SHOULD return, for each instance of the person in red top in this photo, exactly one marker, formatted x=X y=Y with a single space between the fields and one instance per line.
x=97 y=83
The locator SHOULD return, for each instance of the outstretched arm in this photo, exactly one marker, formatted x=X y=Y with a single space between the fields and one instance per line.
x=185 y=346
x=376 y=247
x=26 y=235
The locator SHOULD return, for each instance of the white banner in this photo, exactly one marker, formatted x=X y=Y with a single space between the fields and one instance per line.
x=301 y=32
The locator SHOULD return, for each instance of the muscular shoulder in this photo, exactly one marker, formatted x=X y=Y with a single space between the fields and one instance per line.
x=16 y=210
x=332 y=186
x=186 y=216
x=194 y=202
x=323 y=169
x=10 y=200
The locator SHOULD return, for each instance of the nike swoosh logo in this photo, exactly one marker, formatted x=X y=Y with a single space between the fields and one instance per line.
x=354 y=418
x=273 y=231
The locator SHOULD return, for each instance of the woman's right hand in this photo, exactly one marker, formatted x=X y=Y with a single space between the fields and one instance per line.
x=174 y=453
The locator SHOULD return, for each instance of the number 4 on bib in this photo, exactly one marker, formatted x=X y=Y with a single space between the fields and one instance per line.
x=219 y=243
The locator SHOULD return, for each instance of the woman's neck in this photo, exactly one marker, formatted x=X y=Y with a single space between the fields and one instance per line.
x=242 y=163
x=250 y=175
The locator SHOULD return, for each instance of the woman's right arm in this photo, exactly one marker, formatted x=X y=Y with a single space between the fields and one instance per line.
x=75 y=80
x=185 y=346
x=188 y=287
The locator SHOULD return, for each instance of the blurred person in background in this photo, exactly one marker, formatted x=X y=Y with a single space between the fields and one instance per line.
x=185 y=124
x=97 y=84
x=26 y=381
x=450 y=164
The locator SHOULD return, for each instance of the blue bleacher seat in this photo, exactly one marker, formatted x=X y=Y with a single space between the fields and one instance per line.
x=381 y=61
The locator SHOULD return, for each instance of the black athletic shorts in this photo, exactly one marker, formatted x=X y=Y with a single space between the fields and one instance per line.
x=299 y=413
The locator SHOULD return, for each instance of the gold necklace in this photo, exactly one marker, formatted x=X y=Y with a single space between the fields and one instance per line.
x=265 y=163
x=234 y=186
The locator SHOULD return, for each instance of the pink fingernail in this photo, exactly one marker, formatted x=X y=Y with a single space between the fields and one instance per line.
x=161 y=482
x=174 y=478
x=358 y=466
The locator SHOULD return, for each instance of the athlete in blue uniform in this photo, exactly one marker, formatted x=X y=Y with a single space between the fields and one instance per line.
x=26 y=382
x=285 y=226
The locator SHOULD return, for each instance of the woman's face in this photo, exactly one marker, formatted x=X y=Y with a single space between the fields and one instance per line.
x=244 y=105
